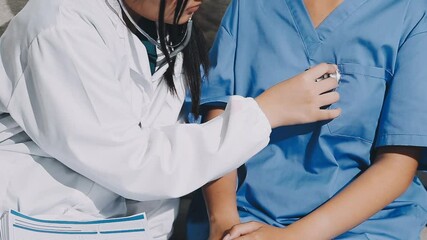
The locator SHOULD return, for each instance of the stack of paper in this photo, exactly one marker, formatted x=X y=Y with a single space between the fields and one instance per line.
x=17 y=226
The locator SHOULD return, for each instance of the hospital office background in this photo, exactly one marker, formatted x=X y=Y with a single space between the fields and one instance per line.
x=211 y=13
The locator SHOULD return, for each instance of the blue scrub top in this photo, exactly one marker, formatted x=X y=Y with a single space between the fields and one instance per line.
x=380 y=47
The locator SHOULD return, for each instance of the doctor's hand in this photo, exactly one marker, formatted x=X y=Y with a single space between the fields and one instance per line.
x=299 y=99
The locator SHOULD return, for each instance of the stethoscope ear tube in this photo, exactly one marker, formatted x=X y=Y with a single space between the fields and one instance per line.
x=175 y=49
x=181 y=47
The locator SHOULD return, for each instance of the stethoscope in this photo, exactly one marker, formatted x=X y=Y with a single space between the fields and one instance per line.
x=336 y=75
x=174 y=50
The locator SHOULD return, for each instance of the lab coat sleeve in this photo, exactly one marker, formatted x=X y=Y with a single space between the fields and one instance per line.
x=70 y=102
x=404 y=116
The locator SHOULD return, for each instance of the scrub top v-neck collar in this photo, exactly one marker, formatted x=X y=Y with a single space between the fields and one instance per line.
x=312 y=37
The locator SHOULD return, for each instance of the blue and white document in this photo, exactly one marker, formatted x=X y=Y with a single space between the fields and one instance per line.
x=17 y=226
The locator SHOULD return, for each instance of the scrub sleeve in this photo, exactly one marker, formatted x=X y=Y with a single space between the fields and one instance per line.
x=403 y=120
x=220 y=83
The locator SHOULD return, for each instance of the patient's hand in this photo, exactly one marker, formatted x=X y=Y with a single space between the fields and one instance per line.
x=255 y=231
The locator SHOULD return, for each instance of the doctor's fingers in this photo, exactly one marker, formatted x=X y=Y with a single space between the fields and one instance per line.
x=319 y=70
x=328 y=114
x=327 y=98
x=239 y=230
x=326 y=85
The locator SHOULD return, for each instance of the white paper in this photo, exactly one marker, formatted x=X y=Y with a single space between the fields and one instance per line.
x=17 y=226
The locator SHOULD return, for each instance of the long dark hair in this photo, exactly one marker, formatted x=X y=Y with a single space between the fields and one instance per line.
x=195 y=53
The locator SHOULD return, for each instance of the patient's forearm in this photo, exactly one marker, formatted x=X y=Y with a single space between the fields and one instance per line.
x=220 y=198
x=384 y=181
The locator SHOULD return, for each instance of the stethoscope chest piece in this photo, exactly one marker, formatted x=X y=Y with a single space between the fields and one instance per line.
x=336 y=75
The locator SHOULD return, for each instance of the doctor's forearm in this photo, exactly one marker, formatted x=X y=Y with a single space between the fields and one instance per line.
x=384 y=181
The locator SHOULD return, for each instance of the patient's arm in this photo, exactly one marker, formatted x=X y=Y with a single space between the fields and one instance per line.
x=389 y=176
x=220 y=198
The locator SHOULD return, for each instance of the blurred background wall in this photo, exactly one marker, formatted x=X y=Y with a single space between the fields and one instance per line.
x=9 y=8
x=209 y=17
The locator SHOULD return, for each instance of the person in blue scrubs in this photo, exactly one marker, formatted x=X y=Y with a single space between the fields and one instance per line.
x=349 y=178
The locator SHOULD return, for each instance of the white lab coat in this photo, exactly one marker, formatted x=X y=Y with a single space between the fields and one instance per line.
x=86 y=132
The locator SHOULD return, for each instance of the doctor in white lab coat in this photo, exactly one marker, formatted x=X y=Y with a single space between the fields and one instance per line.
x=88 y=130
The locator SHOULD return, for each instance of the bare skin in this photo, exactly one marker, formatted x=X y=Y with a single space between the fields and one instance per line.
x=389 y=176
x=299 y=99
x=320 y=9
x=300 y=102
x=295 y=101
